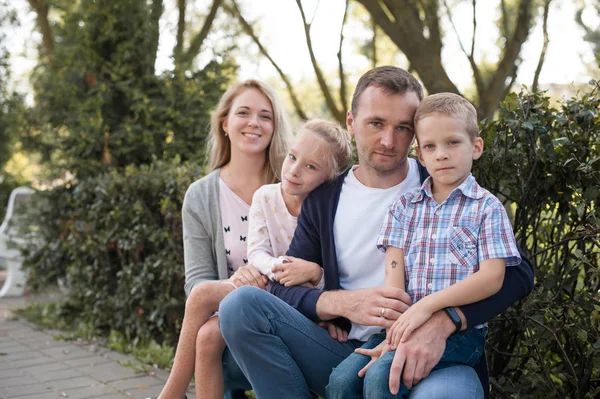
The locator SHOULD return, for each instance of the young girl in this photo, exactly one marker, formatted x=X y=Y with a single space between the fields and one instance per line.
x=321 y=151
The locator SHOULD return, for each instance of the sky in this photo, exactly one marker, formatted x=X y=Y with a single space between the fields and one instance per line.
x=281 y=32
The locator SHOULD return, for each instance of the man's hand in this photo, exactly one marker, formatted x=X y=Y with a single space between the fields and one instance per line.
x=369 y=306
x=421 y=352
x=297 y=271
x=334 y=331
x=249 y=275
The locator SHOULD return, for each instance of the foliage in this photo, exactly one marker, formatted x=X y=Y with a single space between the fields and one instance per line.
x=116 y=240
x=9 y=101
x=99 y=103
x=546 y=163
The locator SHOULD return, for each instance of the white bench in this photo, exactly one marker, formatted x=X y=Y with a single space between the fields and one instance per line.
x=10 y=241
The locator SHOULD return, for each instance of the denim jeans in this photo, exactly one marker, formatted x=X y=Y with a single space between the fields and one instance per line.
x=285 y=355
x=282 y=353
x=448 y=378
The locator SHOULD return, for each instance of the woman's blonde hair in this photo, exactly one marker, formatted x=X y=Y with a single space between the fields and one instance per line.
x=219 y=146
x=338 y=143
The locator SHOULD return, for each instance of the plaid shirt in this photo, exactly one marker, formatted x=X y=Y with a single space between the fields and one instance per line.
x=444 y=244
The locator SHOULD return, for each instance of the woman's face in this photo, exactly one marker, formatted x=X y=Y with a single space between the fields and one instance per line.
x=249 y=123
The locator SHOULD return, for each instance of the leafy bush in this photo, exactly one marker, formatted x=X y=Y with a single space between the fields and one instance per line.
x=546 y=163
x=116 y=240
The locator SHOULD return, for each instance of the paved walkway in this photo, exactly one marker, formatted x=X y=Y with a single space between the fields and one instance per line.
x=33 y=365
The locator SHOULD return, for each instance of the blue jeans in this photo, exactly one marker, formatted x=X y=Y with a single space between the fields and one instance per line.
x=462 y=348
x=235 y=382
x=285 y=355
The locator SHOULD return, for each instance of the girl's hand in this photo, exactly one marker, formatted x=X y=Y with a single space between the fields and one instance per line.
x=249 y=275
x=336 y=332
x=408 y=322
x=297 y=271
x=375 y=354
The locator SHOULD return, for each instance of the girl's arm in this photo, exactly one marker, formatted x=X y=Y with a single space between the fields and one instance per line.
x=260 y=250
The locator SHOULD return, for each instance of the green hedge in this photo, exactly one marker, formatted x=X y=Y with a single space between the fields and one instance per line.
x=116 y=239
x=545 y=162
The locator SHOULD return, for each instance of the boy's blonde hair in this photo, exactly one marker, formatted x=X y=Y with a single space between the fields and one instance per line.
x=219 y=146
x=452 y=105
x=338 y=143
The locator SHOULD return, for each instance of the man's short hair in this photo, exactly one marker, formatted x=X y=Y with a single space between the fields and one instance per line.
x=452 y=105
x=391 y=79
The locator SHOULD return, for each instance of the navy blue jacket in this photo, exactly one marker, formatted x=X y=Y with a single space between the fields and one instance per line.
x=313 y=241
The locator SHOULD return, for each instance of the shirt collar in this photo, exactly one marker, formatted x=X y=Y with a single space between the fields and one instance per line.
x=469 y=188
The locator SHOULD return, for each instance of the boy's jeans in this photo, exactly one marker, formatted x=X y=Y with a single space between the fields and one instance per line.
x=285 y=355
x=462 y=348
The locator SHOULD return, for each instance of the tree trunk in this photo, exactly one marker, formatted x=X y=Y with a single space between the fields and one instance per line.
x=41 y=9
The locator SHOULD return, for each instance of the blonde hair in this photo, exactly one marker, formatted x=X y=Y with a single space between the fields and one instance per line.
x=219 y=146
x=338 y=143
x=452 y=105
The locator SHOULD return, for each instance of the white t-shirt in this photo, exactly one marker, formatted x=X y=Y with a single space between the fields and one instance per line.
x=360 y=213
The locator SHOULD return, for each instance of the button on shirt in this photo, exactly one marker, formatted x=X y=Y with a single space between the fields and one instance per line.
x=444 y=243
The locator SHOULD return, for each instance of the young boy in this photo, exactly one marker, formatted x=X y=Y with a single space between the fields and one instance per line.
x=447 y=244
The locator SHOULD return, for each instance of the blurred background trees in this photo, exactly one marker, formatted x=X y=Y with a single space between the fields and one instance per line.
x=111 y=124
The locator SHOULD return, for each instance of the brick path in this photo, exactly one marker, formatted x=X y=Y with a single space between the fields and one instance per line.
x=33 y=365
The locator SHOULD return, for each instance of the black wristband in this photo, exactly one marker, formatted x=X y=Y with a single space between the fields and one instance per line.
x=454 y=317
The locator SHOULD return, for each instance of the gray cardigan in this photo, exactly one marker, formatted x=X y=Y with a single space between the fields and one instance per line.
x=203 y=246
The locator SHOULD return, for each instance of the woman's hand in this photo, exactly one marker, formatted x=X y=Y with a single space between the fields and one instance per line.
x=375 y=354
x=297 y=271
x=249 y=275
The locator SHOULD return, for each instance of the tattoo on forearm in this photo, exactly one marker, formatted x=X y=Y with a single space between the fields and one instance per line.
x=394 y=264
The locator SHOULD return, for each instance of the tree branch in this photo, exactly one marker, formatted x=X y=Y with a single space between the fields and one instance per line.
x=247 y=28
x=538 y=70
x=474 y=27
x=343 y=93
x=196 y=42
x=400 y=20
x=41 y=9
x=507 y=66
x=479 y=85
x=504 y=19
x=155 y=14
x=178 y=50
x=331 y=105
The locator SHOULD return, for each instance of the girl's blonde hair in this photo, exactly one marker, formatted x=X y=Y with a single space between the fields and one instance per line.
x=219 y=146
x=338 y=143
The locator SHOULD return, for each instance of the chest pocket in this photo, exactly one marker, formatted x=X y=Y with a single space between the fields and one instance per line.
x=463 y=247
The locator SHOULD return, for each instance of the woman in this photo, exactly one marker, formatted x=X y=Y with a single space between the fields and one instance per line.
x=248 y=140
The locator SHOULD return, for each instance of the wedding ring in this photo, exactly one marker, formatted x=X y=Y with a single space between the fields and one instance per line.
x=382 y=311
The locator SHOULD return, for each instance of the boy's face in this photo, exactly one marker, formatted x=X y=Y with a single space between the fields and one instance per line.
x=446 y=150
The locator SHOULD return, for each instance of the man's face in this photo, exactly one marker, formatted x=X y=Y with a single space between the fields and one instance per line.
x=383 y=128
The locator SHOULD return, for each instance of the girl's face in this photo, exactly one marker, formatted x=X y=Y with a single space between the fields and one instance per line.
x=307 y=164
x=249 y=123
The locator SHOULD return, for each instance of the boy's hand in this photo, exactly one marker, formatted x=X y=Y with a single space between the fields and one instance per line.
x=336 y=332
x=375 y=354
x=409 y=321
x=297 y=271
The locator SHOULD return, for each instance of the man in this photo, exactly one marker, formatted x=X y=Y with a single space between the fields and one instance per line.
x=285 y=354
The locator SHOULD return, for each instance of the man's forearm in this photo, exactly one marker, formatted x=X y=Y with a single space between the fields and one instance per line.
x=330 y=305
